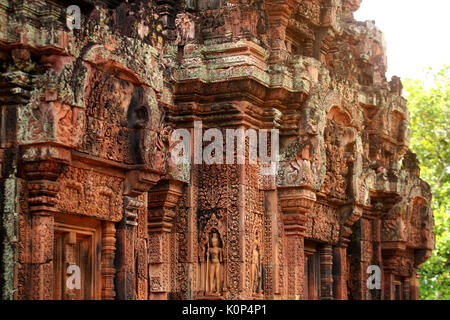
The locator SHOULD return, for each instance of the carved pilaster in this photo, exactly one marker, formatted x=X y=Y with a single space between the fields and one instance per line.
x=388 y=283
x=162 y=200
x=340 y=273
x=349 y=215
x=42 y=190
x=136 y=183
x=295 y=203
x=126 y=235
x=391 y=251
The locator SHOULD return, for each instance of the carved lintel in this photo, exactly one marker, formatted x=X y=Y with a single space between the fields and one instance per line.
x=162 y=199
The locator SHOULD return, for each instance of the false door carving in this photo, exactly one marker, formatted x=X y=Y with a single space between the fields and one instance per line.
x=77 y=259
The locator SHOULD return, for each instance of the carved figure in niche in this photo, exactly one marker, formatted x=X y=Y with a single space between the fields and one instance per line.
x=255 y=275
x=236 y=22
x=304 y=167
x=214 y=265
x=427 y=223
x=394 y=227
x=300 y=169
x=310 y=119
x=403 y=131
x=185 y=29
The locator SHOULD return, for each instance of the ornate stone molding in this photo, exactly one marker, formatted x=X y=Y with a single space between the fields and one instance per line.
x=162 y=199
x=295 y=203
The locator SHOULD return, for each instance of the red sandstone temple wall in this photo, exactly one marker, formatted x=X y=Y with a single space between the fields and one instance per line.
x=87 y=180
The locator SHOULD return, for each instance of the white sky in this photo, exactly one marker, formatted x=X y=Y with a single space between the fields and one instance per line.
x=417 y=33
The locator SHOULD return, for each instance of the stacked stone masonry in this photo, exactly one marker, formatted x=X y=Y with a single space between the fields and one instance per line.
x=86 y=179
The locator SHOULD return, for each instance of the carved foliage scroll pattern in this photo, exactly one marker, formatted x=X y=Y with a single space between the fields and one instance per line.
x=179 y=251
x=406 y=264
x=159 y=256
x=254 y=221
x=281 y=252
x=24 y=232
x=141 y=250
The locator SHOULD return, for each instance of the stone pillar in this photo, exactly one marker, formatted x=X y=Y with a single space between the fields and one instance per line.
x=295 y=203
x=108 y=253
x=42 y=190
x=162 y=200
x=326 y=272
x=136 y=183
x=340 y=275
x=126 y=236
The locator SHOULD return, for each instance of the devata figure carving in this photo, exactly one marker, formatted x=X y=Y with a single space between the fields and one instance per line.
x=214 y=265
x=255 y=274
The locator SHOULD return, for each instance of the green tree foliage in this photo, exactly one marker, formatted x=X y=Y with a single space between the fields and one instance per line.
x=429 y=107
